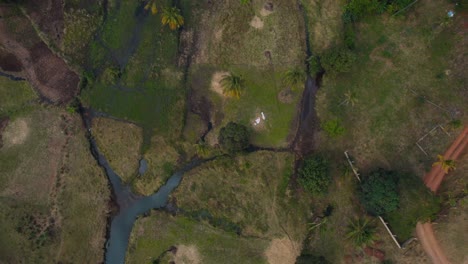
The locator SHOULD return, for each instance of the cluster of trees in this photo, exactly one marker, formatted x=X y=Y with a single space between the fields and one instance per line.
x=314 y=175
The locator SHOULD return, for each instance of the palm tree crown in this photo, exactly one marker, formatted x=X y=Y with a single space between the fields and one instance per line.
x=294 y=77
x=361 y=231
x=172 y=17
x=446 y=164
x=232 y=85
x=350 y=98
x=152 y=4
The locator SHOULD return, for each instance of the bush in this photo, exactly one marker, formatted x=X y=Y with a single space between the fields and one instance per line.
x=417 y=203
x=357 y=9
x=314 y=175
x=314 y=65
x=337 y=60
x=234 y=137
x=333 y=128
x=378 y=192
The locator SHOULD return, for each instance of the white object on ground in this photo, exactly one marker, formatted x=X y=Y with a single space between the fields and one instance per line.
x=263 y=116
x=450 y=13
x=257 y=121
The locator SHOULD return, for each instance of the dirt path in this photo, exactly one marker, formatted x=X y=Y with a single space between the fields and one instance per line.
x=433 y=179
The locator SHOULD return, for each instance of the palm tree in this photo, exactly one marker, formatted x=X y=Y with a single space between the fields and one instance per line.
x=232 y=85
x=294 y=77
x=172 y=17
x=152 y=4
x=350 y=98
x=361 y=231
x=446 y=164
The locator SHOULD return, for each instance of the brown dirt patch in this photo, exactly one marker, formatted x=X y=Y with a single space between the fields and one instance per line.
x=48 y=16
x=216 y=82
x=286 y=96
x=48 y=73
x=283 y=251
x=187 y=255
x=16 y=132
x=256 y=22
x=8 y=62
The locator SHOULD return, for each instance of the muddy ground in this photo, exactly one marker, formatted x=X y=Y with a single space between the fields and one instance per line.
x=23 y=50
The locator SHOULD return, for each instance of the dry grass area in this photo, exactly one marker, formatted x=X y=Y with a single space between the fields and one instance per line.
x=187 y=255
x=120 y=143
x=325 y=24
x=54 y=196
x=249 y=192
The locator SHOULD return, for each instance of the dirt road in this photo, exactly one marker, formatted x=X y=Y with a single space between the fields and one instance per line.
x=433 y=179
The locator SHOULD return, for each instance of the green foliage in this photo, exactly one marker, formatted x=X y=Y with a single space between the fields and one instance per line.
x=456 y=123
x=172 y=17
x=314 y=65
x=378 y=192
x=333 y=128
x=337 y=60
x=234 y=137
x=202 y=149
x=314 y=175
x=417 y=203
x=245 y=2
x=311 y=259
x=294 y=78
x=357 y=9
x=349 y=36
x=361 y=231
x=232 y=85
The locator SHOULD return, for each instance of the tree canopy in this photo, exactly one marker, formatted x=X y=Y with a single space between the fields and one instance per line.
x=314 y=175
x=379 y=193
x=234 y=137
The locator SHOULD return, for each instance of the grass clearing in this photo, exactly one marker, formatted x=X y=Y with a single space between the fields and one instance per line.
x=55 y=209
x=247 y=191
x=228 y=43
x=153 y=235
x=120 y=143
x=14 y=96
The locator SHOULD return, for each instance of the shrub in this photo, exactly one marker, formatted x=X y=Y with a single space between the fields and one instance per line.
x=357 y=9
x=417 y=203
x=333 y=128
x=337 y=60
x=314 y=65
x=234 y=137
x=378 y=192
x=361 y=231
x=314 y=175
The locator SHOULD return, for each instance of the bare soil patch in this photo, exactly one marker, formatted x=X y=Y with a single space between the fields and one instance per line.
x=216 y=82
x=48 y=15
x=3 y=124
x=256 y=22
x=16 y=132
x=48 y=73
x=283 y=251
x=187 y=255
x=286 y=96
x=8 y=62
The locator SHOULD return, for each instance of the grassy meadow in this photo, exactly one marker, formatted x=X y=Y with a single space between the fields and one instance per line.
x=54 y=196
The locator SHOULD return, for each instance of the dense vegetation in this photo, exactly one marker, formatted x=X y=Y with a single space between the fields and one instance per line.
x=314 y=175
x=379 y=192
x=234 y=137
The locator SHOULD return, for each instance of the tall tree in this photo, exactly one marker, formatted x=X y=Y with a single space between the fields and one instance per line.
x=171 y=16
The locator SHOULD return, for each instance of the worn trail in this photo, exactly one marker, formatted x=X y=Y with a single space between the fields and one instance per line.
x=433 y=179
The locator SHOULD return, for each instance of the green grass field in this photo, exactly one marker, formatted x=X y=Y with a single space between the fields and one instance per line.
x=137 y=78
x=14 y=96
x=153 y=235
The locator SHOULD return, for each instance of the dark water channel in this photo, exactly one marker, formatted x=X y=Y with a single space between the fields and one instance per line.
x=130 y=205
